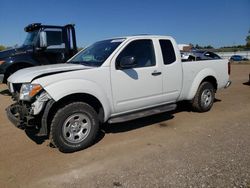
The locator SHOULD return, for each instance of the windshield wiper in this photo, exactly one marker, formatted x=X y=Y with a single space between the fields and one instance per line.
x=86 y=63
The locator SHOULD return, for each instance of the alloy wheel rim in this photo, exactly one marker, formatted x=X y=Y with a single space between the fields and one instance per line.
x=206 y=98
x=76 y=128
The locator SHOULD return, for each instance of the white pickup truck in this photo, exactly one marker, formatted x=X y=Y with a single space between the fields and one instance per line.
x=113 y=80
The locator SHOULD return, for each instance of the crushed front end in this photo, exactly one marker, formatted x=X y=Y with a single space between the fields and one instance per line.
x=31 y=107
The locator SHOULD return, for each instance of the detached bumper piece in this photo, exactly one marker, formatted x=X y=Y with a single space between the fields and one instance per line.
x=13 y=116
x=18 y=115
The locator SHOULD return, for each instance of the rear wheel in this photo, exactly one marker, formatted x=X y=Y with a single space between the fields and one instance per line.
x=204 y=98
x=74 y=127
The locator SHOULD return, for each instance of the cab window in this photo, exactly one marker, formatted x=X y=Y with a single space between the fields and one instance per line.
x=141 y=50
x=168 y=52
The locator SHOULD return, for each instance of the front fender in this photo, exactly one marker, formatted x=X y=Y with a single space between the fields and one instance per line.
x=61 y=89
x=197 y=81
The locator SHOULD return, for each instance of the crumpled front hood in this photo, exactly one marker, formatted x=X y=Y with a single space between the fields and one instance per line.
x=28 y=74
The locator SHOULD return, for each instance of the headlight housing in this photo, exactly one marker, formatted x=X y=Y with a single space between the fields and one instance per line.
x=28 y=91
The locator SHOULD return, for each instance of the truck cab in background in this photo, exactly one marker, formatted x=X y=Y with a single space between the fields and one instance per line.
x=44 y=44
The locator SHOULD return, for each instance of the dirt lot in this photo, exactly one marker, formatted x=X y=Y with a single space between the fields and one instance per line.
x=186 y=149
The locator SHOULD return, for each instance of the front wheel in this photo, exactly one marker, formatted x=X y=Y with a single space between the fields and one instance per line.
x=204 y=98
x=74 y=127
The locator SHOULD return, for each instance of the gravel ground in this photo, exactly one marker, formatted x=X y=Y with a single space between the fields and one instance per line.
x=184 y=149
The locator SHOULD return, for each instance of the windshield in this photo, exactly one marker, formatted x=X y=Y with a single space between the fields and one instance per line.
x=97 y=53
x=31 y=38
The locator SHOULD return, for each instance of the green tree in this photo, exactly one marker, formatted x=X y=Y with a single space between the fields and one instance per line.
x=209 y=47
x=2 y=47
x=197 y=46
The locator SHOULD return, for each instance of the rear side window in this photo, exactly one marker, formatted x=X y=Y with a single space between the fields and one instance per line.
x=142 y=50
x=168 y=52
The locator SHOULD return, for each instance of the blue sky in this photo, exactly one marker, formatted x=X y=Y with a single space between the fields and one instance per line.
x=215 y=22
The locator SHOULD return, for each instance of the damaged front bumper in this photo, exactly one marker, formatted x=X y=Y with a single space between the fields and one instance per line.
x=33 y=115
x=14 y=115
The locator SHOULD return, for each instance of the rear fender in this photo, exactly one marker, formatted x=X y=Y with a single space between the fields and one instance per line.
x=198 y=80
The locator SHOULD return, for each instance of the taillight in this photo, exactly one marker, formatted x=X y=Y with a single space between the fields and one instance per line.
x=229 y=68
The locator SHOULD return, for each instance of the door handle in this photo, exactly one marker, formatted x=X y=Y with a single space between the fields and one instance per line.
x=156 y=73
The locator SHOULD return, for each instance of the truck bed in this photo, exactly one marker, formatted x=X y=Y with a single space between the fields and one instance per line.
x=195 y=71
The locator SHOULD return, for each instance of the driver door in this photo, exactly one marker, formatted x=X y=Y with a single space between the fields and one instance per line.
x=140 y=86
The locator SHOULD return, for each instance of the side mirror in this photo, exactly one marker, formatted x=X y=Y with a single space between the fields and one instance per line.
x=43 y=39
x=127 y=62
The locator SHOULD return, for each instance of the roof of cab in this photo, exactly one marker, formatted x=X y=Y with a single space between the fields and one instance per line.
x=141 y=36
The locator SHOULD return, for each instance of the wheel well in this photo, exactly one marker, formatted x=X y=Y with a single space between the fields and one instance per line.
x=212 y=80
x=79 y=97
x=15 y=67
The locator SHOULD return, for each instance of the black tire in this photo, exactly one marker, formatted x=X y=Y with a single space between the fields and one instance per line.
x=74 y=127
x=204 y=97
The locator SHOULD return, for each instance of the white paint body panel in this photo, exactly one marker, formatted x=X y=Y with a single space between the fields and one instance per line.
x=122 y=91
x=28 y=74
x=195 y=71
